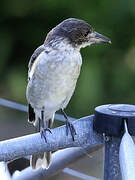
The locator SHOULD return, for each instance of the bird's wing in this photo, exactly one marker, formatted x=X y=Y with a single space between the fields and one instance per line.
x=37 y=52
x=35 y=55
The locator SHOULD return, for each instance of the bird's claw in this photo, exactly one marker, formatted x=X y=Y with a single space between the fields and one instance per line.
x=43 y=133
x=70 y=127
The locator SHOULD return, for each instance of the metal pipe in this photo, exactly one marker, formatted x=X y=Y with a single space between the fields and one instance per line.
x=4 y=172
x=21 y=107
x=31 y=144
x=60 y=160
x=111 y=161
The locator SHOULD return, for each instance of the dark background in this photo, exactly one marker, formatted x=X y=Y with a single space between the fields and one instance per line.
x=108 y=71
x=107 y=74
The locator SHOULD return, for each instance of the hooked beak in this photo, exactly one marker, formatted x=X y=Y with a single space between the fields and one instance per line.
x=95 y=37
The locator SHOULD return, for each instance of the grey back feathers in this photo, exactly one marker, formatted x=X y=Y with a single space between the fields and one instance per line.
x=42 y=159
x=31 y=113
x=35 y=55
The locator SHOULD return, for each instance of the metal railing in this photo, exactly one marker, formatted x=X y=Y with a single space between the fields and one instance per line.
x=119 y=153
x=7 y=153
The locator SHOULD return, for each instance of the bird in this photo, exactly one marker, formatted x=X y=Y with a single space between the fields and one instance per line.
x=53 y=70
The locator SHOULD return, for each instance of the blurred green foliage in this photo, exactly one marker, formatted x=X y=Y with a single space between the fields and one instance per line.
x=108 y=71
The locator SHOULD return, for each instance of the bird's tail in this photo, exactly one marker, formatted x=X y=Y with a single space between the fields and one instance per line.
x=40 y=160
x=43 y=159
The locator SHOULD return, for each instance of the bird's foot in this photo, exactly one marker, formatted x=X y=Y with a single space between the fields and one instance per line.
x=70 y=127
x=43 y=133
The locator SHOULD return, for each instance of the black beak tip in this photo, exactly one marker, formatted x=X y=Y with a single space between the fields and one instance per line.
x=101 y=39
x=110 y=42
x=106 y=40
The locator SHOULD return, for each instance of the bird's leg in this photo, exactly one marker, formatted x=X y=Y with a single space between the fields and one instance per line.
x=37 y=126
x=43 y=129
x=69 y=125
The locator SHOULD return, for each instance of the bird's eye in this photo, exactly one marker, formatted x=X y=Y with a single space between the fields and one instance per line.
x=86 y=33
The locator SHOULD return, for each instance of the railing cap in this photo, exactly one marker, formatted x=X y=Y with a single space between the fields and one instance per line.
x=109 y=119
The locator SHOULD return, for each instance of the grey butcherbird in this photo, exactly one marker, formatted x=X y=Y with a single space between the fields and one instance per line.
x=54 y=68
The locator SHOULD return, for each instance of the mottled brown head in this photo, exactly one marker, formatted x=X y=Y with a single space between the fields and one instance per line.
x=77 y=32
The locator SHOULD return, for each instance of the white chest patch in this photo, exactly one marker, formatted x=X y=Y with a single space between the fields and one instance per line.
x=53 y=77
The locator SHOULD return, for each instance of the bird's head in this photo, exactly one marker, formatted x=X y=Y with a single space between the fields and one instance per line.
x=77 y=32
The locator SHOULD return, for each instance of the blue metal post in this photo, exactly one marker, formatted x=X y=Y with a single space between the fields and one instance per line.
x=111 y=159
x=109 y=121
